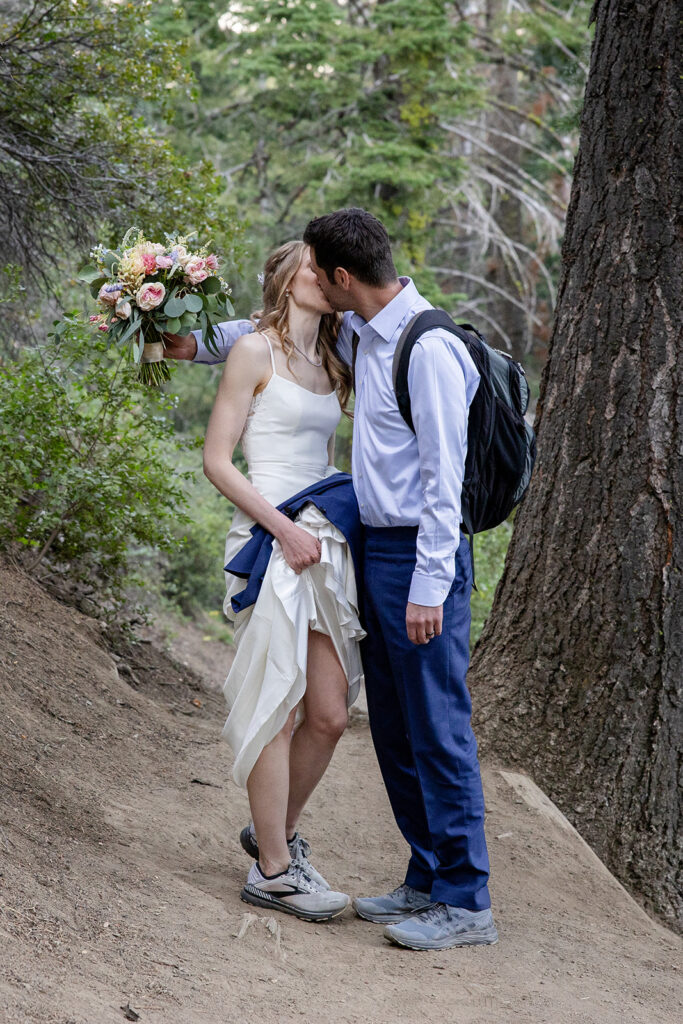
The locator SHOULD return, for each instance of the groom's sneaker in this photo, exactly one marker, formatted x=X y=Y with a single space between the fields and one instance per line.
x=403 y=902
x=293 y=892
x=299 y=850
x=443 y=926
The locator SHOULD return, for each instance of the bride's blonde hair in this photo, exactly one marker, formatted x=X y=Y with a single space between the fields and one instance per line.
x=281 y=267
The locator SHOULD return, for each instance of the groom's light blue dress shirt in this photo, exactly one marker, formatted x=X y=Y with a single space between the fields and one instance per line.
x=403 y=478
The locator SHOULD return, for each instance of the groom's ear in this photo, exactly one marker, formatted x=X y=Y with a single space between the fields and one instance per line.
x=342 y=278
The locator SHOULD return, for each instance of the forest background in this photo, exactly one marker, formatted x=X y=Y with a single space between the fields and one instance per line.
x=455 y=123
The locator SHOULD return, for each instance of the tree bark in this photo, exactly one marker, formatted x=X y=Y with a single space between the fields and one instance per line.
x=577 y=675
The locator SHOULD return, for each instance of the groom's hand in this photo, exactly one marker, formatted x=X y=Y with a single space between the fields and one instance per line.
x=423 y=623
x=180 y=346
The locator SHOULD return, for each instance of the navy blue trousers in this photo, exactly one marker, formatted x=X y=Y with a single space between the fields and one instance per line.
x=419 y=708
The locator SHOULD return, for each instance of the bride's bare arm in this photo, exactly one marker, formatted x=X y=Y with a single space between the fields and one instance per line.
x=247 y=370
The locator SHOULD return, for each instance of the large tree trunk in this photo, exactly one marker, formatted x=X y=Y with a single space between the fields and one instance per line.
x=578 y=672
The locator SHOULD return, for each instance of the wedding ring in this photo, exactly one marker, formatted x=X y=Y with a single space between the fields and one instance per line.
x=430 y=635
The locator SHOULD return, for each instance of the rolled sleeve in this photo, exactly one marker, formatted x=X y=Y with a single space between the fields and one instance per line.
x=441 y=386
x=227 y=334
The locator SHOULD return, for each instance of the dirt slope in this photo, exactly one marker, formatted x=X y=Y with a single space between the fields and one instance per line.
x=119 y=874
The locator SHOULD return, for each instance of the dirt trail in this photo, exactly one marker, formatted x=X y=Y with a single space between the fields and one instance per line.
x=120 y=872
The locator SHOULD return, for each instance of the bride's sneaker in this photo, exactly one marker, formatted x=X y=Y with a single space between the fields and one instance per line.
x=293 y=892
x=299 y=850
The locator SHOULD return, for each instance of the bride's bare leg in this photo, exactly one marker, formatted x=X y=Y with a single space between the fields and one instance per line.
x=326 y=718
x=268 y=789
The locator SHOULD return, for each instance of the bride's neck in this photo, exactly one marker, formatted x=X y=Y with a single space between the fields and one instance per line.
x=304 y=328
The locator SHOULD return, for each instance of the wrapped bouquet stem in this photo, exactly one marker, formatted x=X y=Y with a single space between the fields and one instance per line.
x=153 y=367
x=147 y=289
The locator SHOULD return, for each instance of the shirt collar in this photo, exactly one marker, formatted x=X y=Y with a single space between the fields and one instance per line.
x=385 y=323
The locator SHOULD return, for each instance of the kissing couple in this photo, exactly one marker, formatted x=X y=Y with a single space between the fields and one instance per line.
x=329 y=577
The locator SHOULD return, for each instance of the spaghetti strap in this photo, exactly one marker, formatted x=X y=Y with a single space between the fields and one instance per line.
x=270 y=349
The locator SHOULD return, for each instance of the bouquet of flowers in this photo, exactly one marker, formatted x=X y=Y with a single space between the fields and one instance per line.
x=146 y=289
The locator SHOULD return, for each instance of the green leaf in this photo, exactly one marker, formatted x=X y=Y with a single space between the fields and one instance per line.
x=137 y=349
x=173 y=325
x=188 y=322
x=110 y=260
x=96 y=285
x=229 y=308
x=193 y=303
x=89 y=274
x=174 y=307
x=212 y=286
x=131 y=328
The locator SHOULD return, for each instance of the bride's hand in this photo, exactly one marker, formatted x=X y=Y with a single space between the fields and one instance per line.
x=299 y=548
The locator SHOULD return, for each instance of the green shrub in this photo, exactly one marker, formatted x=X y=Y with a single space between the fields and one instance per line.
x=192 y=576
x=490 y=549
x=89 y=462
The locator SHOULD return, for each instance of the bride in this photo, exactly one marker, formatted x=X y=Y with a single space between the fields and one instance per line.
x=297 y=666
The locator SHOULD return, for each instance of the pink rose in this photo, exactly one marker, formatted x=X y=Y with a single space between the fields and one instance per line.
x=149 y=261
x=103 y=327
x=110 y=293
x=195 y=270
x=150 y=295
x=123 y=310
x=164 y=262
x=212 y=262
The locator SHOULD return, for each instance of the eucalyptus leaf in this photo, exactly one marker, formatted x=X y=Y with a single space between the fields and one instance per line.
x=188 y=323
x=137 y=349
x=211 y=286
x=174 y=307
x=173 y=325
x=193 y=303
x=229 y=308
x=89 y=274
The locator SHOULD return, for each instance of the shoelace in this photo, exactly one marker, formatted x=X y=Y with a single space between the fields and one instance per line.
x=302 y=880
x=437 y=914
x=299 y=850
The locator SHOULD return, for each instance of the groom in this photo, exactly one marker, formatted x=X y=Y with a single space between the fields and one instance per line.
x=417 y=583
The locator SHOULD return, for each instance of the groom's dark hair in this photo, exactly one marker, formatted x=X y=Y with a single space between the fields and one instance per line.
x=355 y=240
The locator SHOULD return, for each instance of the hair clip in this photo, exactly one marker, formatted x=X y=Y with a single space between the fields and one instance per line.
x=261 y=279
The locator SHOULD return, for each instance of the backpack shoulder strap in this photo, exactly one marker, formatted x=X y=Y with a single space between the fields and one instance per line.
x=427 y=320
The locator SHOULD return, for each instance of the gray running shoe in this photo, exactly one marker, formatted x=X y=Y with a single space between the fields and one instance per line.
x=293 y=892
x=299 y=850
x=398 y=905
x=443 y=926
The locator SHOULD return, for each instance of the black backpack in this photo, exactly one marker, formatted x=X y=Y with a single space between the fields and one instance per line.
x=501 y=446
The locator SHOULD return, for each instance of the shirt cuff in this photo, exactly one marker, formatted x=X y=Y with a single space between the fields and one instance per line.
x=203 y=355
x=428 y=590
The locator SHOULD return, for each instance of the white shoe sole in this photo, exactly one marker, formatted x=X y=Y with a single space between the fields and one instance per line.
x=258 y=898
x=489 y=938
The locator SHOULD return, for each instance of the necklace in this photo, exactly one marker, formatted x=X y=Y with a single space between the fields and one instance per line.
x=302 y=353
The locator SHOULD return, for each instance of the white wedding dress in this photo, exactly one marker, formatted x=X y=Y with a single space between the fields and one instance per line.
x=285 y=444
